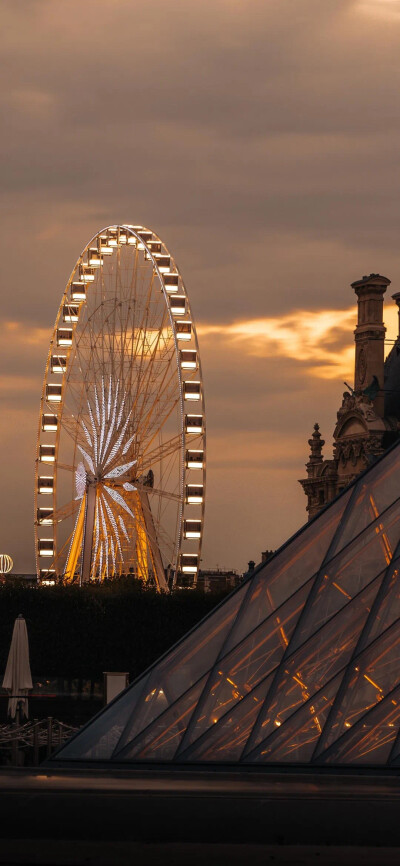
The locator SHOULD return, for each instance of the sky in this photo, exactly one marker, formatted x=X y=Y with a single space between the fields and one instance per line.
x=260 y=139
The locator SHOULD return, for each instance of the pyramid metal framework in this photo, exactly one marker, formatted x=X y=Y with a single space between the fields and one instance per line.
x=301 y=664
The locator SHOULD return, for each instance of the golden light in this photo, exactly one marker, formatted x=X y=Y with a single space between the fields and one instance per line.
x=388 y=10
x=6 y=563
x=323 y=338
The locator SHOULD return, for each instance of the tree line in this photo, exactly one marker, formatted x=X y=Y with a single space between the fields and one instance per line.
x=118 y=625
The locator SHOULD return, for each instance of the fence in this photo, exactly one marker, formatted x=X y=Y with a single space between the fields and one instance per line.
x=75 y=701
x=29 y=744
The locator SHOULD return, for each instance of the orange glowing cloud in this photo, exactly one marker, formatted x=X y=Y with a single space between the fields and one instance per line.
x=385 y=9
x=321 y=339
x=14 y=332
x=24 y=350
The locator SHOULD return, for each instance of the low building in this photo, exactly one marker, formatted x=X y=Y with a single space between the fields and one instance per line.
x=218 y=580
x=30 y=579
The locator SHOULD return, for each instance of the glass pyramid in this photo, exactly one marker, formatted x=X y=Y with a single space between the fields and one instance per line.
x=301 y=664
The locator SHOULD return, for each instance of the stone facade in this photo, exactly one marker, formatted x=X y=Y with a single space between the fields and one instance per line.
x=368 y=421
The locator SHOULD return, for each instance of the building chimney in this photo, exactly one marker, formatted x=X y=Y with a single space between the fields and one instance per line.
x=369 y=336
x=266 y=555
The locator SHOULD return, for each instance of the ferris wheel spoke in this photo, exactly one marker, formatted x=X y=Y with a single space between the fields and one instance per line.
x=167 y=478
x=112 y=520
x=118 y=499
x=166 y=383
x=168 y=541
x=160 y=356
x=165 y=449
x=145 y=379
x=69 y=428
x=88 y=459
x=63 y=513
x=97 y=537
x=161 y=424
x=154 y=422
x=165 y=494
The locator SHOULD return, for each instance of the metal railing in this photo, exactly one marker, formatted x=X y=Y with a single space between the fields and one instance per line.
x=28 y=744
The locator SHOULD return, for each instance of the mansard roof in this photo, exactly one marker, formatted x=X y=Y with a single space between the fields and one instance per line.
x=392 y=382
x=299 y=665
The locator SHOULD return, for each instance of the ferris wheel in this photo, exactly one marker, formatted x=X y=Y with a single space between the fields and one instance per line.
x=120 y=464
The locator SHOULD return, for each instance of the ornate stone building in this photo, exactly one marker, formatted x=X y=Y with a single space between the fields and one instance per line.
x=368 y=420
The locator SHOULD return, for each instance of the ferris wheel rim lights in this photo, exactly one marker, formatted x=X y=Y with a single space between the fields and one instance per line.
x=84 y=280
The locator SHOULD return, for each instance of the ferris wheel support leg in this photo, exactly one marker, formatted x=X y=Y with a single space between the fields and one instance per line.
x=88 y=533
x=141 y=545
x=152 y=541
x=76 y=544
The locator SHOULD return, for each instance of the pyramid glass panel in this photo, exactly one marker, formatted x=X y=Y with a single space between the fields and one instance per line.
x=352 y=569
x=300 y=664
x=296 y=740
x=375 y=491
x=371 y=740
x=184 y=666
x=387 y=609
x=394 y=757
x=314 y=664
x=160 y=741
x=242 y=669
x=227 y=738
x=288 y=570
x=370 y=677
x=97 y=740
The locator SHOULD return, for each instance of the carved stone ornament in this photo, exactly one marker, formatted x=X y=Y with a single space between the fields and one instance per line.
x=348 y=403
x=365 y=405
x=373 y=445
x=351 y=450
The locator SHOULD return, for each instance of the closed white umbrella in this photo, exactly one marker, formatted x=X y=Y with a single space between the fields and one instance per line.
x=17 y=678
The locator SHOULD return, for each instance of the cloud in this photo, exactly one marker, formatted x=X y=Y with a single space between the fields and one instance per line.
x=267 y=380
x=311 y=337
x=319 y=339
x=260 y=140
x=381 y=10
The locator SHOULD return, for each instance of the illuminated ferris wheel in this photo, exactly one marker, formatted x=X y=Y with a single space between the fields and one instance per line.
x=120 y=464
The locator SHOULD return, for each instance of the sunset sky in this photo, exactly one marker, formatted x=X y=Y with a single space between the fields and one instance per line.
x=260 y=139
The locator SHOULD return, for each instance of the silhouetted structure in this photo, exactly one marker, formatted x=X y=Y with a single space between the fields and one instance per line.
x=218 y=580
x=368 y=420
